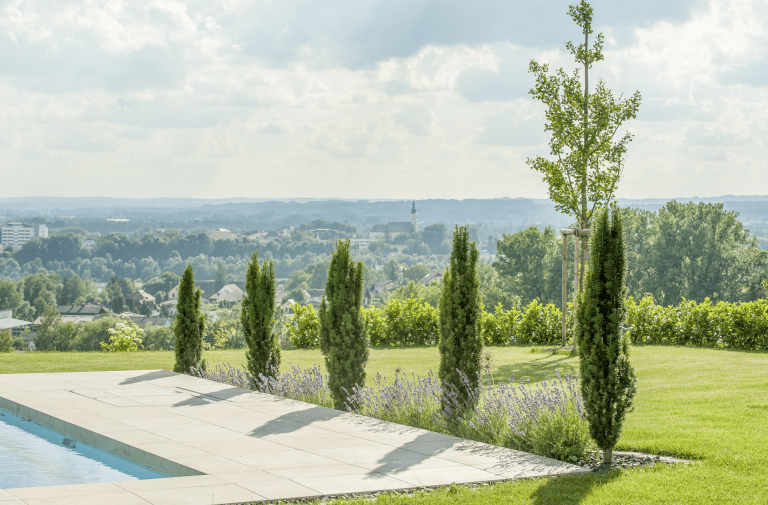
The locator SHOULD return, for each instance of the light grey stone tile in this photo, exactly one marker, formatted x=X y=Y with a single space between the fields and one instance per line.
x=281 y=460
x=318 y=471
x=281 y=489
x=213 y=465
x=170 y=483
x=123 y=498
x=203 y=495
x=327 y=440
x=359 y=483
x=444 y=476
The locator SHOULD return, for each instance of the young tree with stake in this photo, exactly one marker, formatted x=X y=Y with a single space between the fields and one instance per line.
x=342 y=334
x=257 y=318
x=586 y=162
x=608 y=382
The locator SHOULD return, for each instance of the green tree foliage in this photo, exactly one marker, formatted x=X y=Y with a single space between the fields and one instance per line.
x=393 y=270
x=586 y=163
x=48 y=333
x=303 y=329
x=117 y=305
x=257 y=313
x=415 y=273
x=530 y=263
x=430 y=294
x=692 y=251
x=221 y=277
x=165 y=282
x=75 y=291
x=342 y=335
x=495 y=289
x=608 y=381
x=434 y=235
x=189 y=325
x=40 y=290
x=10 y=298
x=460 y=340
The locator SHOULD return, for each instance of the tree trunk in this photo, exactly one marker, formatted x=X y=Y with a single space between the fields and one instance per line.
x=584 y=224
x=608 y=456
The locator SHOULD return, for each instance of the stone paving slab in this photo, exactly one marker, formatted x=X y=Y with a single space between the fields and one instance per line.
x=226 y=445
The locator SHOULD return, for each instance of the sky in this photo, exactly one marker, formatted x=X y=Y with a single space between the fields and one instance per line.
x=365 y=98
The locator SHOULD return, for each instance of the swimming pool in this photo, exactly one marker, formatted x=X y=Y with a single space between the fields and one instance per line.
x=31 y=456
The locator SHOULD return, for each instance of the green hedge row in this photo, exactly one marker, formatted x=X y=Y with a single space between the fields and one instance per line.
x=707 y=324
x=414 y=322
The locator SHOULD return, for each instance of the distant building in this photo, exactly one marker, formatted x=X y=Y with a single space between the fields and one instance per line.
x=9 y=324
x=16 y=234
x=382 y=286
x=86 y=310
x=223 y=234
x=231 y=293
x=394 y=229
x=432 y=276
x=315 y=296
x=142 y=298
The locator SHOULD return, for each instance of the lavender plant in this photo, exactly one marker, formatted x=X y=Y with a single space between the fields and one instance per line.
x=545 y=418
x=309 y=385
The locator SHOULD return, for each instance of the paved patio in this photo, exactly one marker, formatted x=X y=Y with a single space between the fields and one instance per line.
x=225 y=445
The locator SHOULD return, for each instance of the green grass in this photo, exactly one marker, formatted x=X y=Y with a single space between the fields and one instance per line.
x=708 y=405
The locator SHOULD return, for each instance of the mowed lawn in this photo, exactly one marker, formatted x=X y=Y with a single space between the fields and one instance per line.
x=704 y=404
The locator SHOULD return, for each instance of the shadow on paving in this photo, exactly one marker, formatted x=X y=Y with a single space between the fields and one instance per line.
x=571 y=489
x=149 y=376
x=401 y=458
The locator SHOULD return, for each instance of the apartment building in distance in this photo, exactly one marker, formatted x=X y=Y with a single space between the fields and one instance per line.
x=16 y=234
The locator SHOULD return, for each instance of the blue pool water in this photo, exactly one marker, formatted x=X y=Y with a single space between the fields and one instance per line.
x=31 y=456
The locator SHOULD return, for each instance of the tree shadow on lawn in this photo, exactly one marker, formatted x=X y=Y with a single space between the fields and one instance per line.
x=571 y=489
x=537 y=368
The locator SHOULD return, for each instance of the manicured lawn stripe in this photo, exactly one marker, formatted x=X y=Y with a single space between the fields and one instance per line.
x=706 y=404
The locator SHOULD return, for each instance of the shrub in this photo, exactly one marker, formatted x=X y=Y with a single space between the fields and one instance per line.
x=608 y=380
x=189 y=325
x=303 y=329
x=342 y=336
x=724 y=324
x=257 y=317
x=375 y=325
x=126 y=336
x=411 y=322
x=540 y=324
x=460 y=342
x=500 y=327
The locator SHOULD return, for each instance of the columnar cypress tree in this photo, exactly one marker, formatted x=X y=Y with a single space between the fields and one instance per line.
x=257 y=314
x=189 y=325
x=460 y=342
x=342 y=335
x=608 y=382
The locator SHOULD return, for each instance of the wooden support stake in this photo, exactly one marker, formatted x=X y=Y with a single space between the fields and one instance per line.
x=565 y=289
x=575 y=286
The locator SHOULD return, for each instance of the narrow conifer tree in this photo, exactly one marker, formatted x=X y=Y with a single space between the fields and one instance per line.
x=342 y=334
x=257 y=315
x=608 y=382
x=189 y=325
x=460 y=341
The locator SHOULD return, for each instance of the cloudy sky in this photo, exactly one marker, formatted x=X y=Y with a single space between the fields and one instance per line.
x=364 y=98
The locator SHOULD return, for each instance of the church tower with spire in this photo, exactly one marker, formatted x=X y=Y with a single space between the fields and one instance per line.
x=414 y=220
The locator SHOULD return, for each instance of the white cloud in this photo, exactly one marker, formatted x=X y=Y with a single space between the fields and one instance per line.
x=365 y=99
